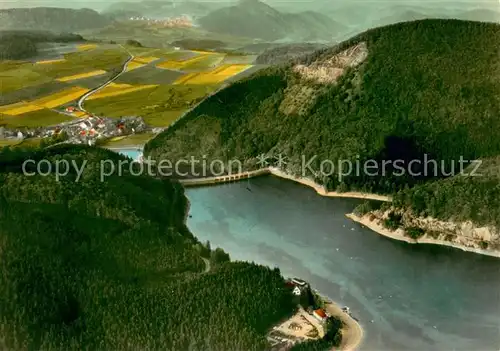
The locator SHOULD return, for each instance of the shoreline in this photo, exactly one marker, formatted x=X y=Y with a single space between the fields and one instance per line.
x=352 y=332
x=320 y=190
x=397 y=235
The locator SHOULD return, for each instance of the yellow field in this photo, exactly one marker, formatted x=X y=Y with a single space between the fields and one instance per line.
x=180 y=64
x=85 y=47
x=119 y=89
x=50 y=61
x=11 y=106
x=146 y=60
x=60 y=98
x=213 y=77
x=22 y=107
x=118 y=138
x=79 y=114
x=134 y=65
x=81 y=76
x=203 y=52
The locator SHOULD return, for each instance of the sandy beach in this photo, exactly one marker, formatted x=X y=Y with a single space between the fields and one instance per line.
x=352 y=333
x=399 y=235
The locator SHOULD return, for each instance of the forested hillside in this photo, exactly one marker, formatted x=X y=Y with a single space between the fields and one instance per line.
x=22 y=44
x=428 y=89
x=111 y=265
x=473 y=196
x=285 y=53
x=51 y=18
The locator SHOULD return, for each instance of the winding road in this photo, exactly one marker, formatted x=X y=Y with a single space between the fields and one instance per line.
x=104 y=85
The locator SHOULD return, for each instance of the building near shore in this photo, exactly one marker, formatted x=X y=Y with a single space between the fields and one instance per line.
x=320 y=315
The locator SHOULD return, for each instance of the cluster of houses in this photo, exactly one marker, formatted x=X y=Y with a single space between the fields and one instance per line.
x=302 y=288
x=82 y=131
x=176 y=22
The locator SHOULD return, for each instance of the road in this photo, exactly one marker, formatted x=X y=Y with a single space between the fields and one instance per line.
x=104 y=85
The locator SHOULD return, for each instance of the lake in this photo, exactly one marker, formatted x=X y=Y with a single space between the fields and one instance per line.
x=407 y=297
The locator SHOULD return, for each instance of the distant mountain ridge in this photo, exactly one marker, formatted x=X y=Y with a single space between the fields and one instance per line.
x=255 y=19
x=51 y=18
x=162 y=9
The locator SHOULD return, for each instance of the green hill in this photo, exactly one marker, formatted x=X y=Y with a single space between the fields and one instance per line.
x=111 y=265
x=427 y=88
x=16 y=45
x=51 y=18
x=161 y=8
x=255 y=19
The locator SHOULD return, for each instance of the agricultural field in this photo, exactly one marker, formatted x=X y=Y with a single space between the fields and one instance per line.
x=160 y=84
x=150 y=75
x=135 y=139
x=31 y=119
x=159 y=106
x=216 y=76
x=117 y=89
x=18 y=75
x=81 y=76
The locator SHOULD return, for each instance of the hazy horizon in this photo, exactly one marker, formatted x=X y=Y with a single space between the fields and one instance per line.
x=100 y=5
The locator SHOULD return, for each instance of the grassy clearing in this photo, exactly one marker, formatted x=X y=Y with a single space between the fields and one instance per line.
x=136 y=139
x=19 y=77
x=9 y=142
x=43 y=117
x=158 y=106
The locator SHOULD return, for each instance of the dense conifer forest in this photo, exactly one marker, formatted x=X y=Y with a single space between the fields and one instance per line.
x=111 y=265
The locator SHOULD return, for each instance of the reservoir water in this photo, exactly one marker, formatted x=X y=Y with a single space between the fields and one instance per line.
x=418 y=297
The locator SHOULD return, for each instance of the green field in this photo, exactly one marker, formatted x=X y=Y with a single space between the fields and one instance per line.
x=136 y=139
x=32 y=92
x=149 y=75
x=33 y=119
x=19 y=75
x=158 y=106
x=207 y=63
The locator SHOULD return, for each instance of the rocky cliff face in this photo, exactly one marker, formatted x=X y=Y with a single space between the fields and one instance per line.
x=465 y=234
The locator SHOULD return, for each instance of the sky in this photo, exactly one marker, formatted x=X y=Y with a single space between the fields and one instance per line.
x=102 y=4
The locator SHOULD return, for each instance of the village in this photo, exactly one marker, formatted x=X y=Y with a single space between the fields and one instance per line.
x=310 y=321
x=88 y=130
x=175 y=22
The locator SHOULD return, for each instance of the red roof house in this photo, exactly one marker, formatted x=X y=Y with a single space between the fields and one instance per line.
x=320 y=314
